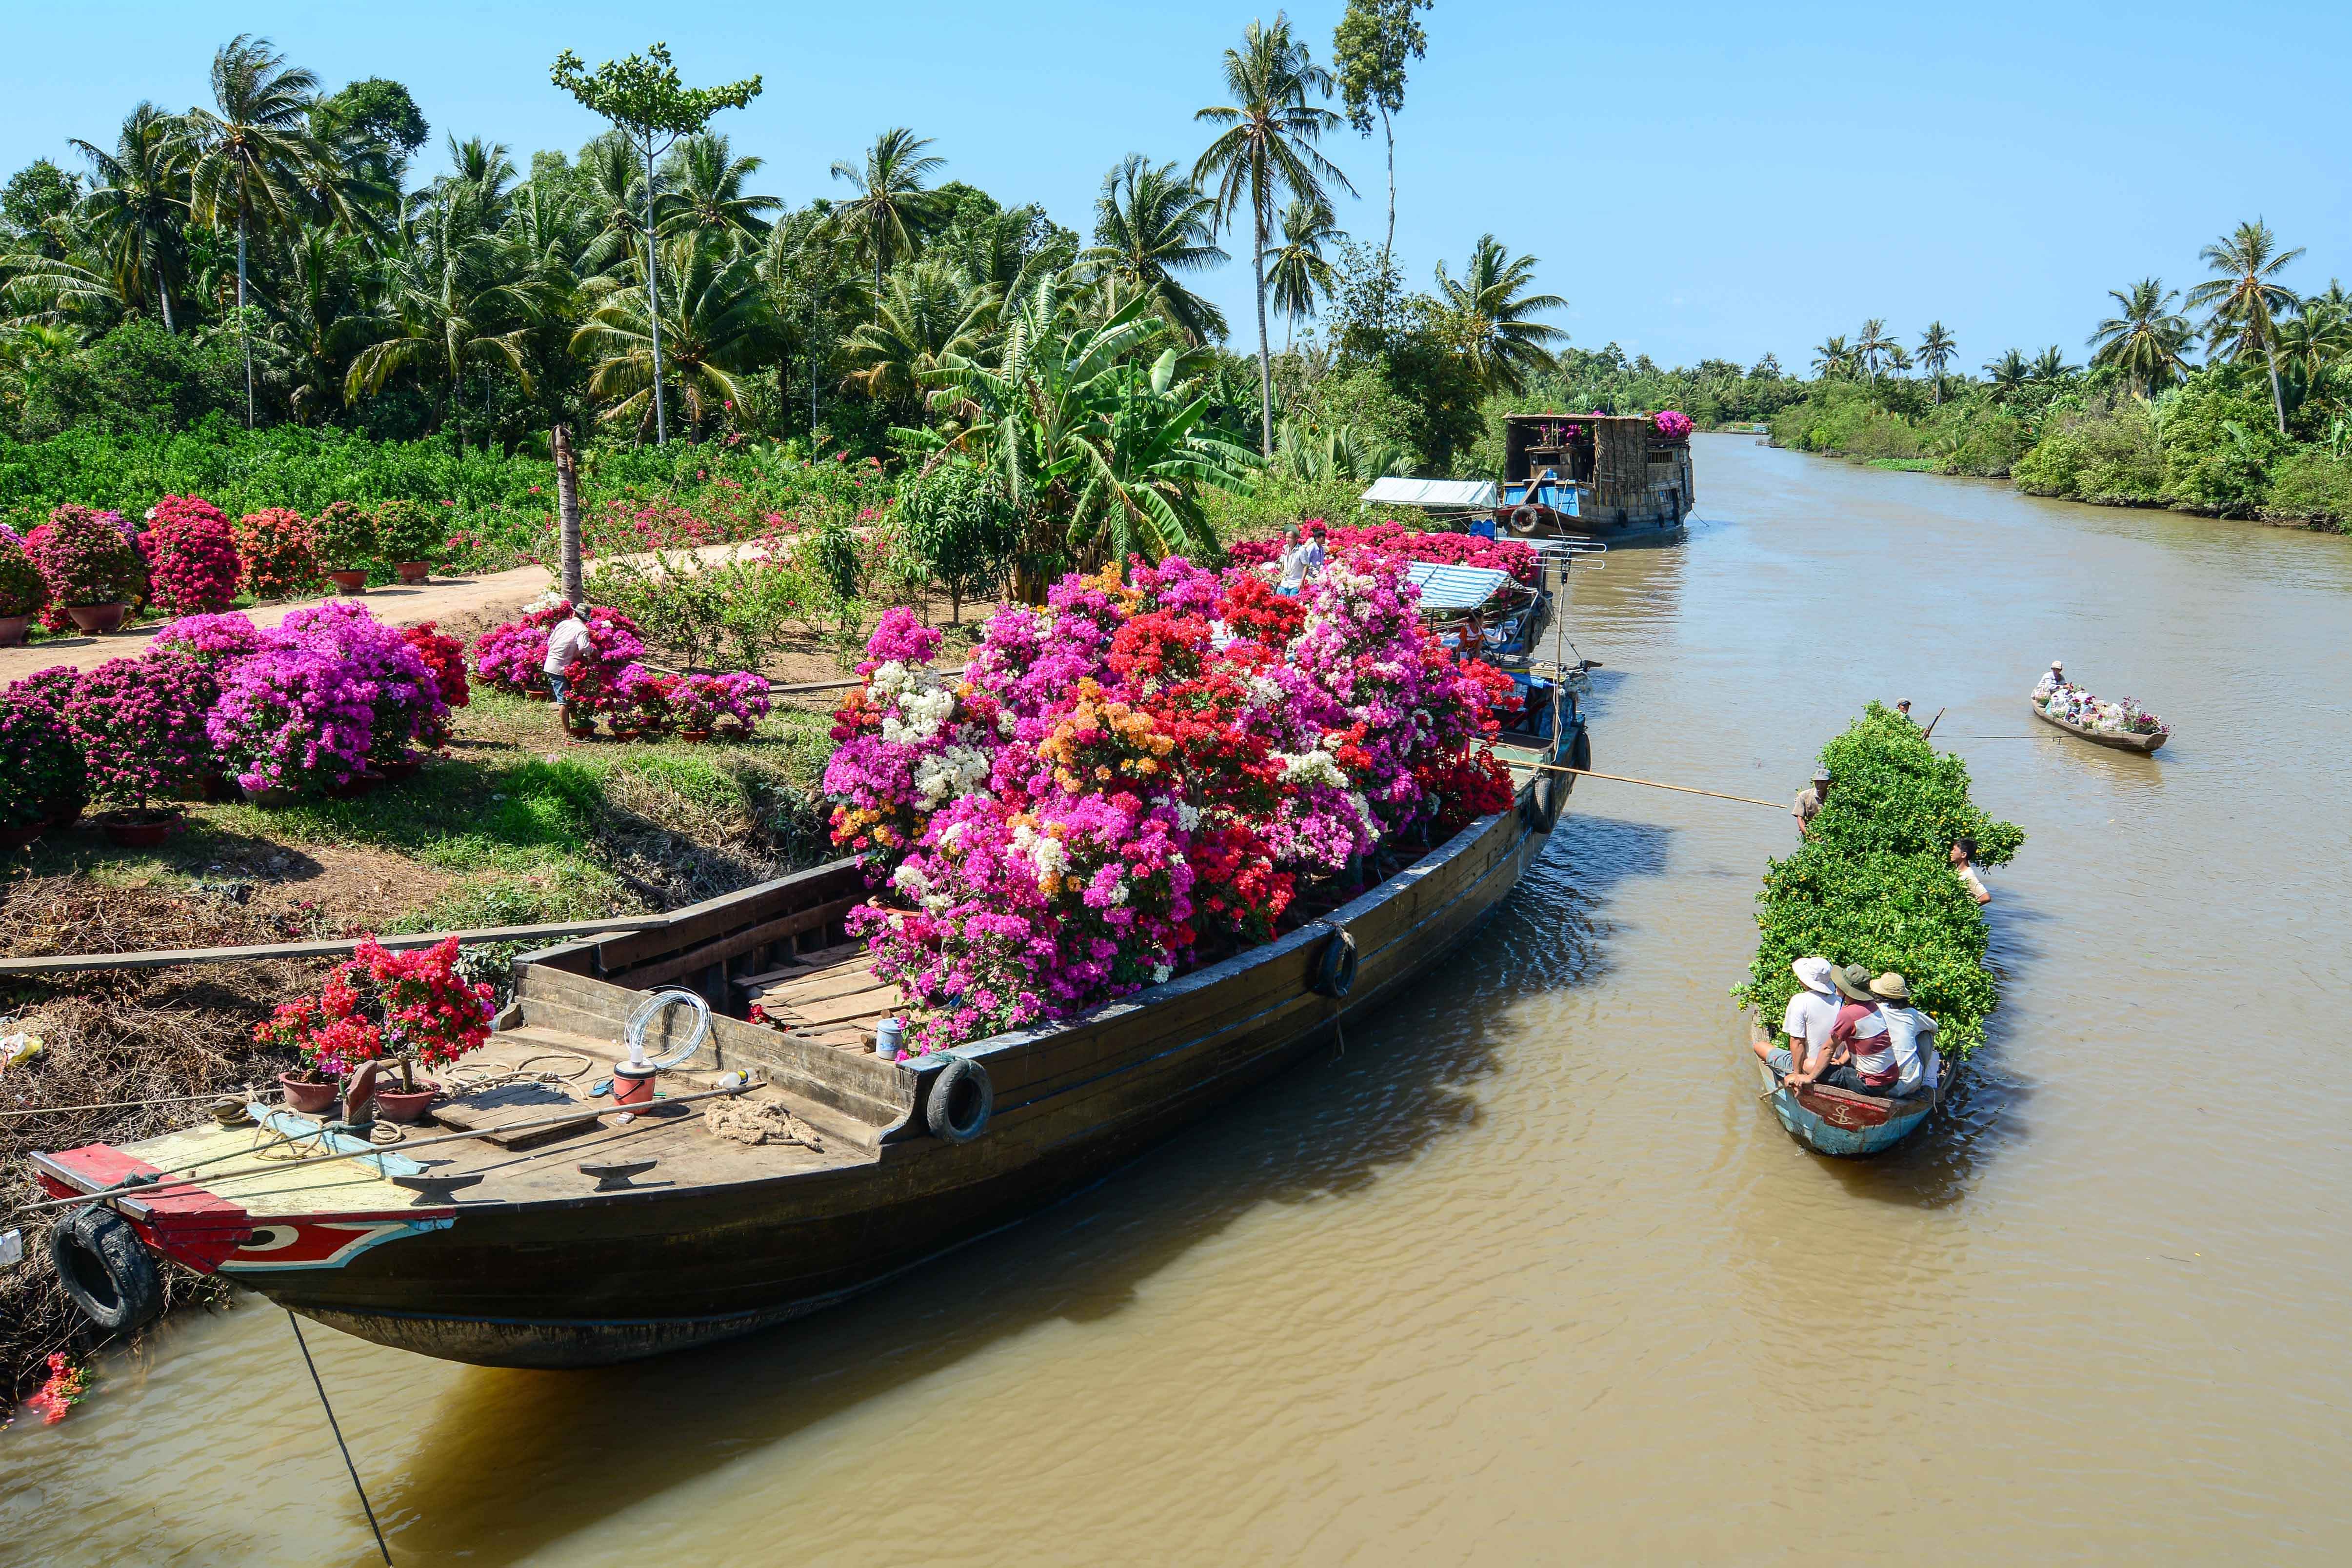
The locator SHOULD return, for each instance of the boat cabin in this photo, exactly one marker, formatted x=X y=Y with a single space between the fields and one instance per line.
x=1616 y=478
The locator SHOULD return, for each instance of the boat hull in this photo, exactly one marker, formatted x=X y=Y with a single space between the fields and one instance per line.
x=2144 y=745
x=1846 y=1126
x=593 y=1281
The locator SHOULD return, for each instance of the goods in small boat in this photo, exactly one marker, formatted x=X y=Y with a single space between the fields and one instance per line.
x=549 y=1226
x=1871 y=885
x=2124 y=725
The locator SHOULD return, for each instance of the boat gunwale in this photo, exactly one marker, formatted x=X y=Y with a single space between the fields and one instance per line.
x=2115 y=741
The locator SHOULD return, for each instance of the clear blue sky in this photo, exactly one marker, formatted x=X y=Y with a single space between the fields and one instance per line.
x=1697 y=180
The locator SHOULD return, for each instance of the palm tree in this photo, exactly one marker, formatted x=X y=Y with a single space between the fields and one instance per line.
x=1870 y=345
x=613 y=204
x=136 y=213
x=717 y=327
x=1502 y=344
x=706 y=195
x=1937 y=348
x=2245 y=299
x=2050 y=365
x=448 y=295
x=892 y=212
x=1832 y=361
x=929 y=309
x=1301 y=273
x=2009 y=375
x=316 y=315
x=252 y=157
x=1151 y=224
x=480 y=173
x=1267 y=150
x=2145 y=340
x=2317 y=337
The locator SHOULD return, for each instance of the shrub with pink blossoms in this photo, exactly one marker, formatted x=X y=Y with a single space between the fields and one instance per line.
x=1673 y=425
x=279 y=552
x=190 y=556
x=699 y=702
x=85 y=556
x=292 y=718
x=141 y=726
x=215 y=641
x=401 y=692
x=513 y=657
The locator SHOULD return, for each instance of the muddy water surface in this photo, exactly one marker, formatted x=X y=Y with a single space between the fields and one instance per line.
x=1528 y=1273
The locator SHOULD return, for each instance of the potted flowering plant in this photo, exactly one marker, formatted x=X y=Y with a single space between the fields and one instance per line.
x=45 y=772
x=346 y=536
x=443 y=658
x=290 y=719
x=141 y=726
x=699 y=702
x=410 y=535
x=23 y=589
x=93 y=571
x=279 y=552
x=191 y=554
x=403 y=696
x=409 y=1007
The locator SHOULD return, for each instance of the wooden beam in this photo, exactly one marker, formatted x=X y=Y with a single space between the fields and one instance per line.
x=165 y=958
x=660 y=971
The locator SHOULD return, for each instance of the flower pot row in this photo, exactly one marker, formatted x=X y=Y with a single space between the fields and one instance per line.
x=314 y=1097
x=127 y=829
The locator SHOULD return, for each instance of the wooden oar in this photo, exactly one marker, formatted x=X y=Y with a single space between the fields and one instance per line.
x=1932 y=723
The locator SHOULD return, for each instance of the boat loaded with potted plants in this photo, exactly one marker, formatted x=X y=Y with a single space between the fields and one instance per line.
x=1159 y=840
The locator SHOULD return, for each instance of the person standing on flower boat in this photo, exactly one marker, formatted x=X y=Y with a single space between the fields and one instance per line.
x=1811 y=1015
x=1963 y=858
x=1810 y=802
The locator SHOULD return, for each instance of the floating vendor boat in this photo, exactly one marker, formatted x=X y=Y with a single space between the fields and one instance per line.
x=2123 y=725
x=1616 y=479
x=1831 y=1121
x=540 y=1225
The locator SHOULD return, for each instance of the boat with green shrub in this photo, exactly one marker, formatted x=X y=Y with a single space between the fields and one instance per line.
x=1873 y=885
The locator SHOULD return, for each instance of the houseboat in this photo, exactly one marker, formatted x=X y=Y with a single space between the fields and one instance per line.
x=1615 y=479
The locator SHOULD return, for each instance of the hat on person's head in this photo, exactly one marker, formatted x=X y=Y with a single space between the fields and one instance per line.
x=1821 y=775
x=1852 y=982
x=1813 y=973
x=1891 y=986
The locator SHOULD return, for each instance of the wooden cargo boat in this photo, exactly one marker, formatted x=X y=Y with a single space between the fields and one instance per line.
x=2121 y=741
x=615 y=1241
x=1616 y=479
x=1831 y=1121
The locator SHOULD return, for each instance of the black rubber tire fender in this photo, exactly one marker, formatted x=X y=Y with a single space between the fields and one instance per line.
x=1580 y=755
x=107 y=1272
x=1335 y=967
x=961 y=1100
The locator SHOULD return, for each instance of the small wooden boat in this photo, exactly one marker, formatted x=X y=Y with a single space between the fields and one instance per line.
x=2120 y=740
x=549 y=1230
x=1840 y=1122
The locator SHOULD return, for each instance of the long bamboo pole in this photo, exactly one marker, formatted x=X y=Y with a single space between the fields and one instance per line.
x=1653 y=783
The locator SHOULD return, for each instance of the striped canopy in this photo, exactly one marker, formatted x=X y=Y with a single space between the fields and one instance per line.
x=1457 y=590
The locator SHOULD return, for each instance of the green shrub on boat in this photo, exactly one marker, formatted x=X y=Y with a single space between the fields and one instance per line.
x=1871 y=885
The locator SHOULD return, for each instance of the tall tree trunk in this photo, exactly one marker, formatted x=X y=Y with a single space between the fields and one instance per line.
x=1265 y=358
x=652 y=302
x=1389 y=243
x=163 y=294
x=567 y=511
x=244 y=328
x=2278 y=401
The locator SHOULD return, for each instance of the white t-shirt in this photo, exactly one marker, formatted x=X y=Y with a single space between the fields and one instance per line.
x=1913 y=1034
x=1294 y=566
x=1810 y=1018
x=564 y=645
x=1971 y=881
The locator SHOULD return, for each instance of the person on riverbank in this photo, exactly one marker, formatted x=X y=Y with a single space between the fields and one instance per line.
x=564 y=640
x=1964 y=858
x=1810 y=1017
x=1810 y=802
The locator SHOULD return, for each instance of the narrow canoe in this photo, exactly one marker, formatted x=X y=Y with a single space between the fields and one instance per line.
x=561 y=1256
x=2143 y=744
x=1839 y=1122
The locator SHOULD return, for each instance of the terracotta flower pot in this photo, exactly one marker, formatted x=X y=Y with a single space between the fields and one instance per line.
x=352 y=582
x=401 y=767
x=272 y=794
x=537 y=694
x=12 y=629
x=16 y=838
x=696 y=735
x=219 y=786
x=139 y=829
x=581 y=731
x=412 y=570
x=405 y=1106
x=302 y=1094
x=98 y=619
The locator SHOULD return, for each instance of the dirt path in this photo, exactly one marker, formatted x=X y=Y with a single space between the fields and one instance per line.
x=444 y=598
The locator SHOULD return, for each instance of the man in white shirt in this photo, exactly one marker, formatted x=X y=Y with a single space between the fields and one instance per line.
x=1812 y=1014
x=1294 y=565
x=564 y=640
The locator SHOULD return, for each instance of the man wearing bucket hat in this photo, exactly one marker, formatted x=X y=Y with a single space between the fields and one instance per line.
x=1809 y=801
x=1912 y=1034
x=1812 y=1015
x=1863 y=1057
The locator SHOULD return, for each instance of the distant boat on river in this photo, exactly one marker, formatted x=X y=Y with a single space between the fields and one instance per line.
x=1615 y=479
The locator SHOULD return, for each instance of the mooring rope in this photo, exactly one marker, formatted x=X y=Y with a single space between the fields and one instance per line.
x=336 y=1427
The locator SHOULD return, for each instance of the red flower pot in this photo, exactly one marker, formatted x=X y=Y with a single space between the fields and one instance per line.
x=538 y=695
x=98 y=619
x=353 y=582
x=304 y=1095
x=357 y=785
x=405 y=1106
x=401 y=767
x=12 y=629
x=139 y=830
x=414 y=571
x=63 y=814
x=696 y=735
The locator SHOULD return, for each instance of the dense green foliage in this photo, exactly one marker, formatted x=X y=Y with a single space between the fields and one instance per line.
x=1870 y=884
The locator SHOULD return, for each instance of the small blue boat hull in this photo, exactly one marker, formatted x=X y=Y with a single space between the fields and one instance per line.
x=1834 y=1121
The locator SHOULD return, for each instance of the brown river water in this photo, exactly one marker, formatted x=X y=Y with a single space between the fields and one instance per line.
x=1528 y=1273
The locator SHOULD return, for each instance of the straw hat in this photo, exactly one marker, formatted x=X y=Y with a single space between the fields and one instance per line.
x=1891 y=986
x=1813 y=973
x=1852 y=982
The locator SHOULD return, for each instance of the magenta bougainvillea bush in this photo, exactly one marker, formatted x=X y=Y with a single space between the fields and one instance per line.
x=390 y=675
x=215 y=641
x=279 y=552
x=1135 y=775
x=191 y=551
x=23 y=589
x=85 y=556
x=1408 y=544
x=1673 y=425
x=701 y=702
x=291 y=718
x=41 y=770
x=140 y=724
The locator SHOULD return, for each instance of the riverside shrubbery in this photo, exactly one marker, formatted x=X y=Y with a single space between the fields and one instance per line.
x=1871 y=885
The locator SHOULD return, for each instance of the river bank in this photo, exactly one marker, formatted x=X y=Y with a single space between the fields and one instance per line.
x=1529 y=1262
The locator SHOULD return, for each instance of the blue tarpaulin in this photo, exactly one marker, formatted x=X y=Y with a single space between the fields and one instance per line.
x=1457 y=588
